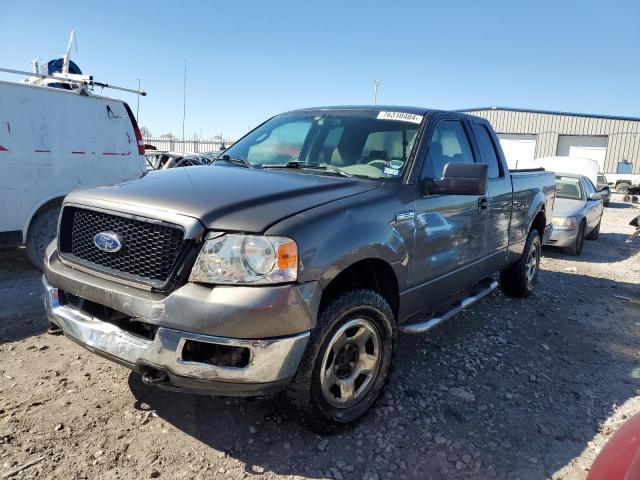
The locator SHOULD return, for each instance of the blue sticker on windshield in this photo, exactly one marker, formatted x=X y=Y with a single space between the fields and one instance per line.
x=391 y=171
x=396 y=163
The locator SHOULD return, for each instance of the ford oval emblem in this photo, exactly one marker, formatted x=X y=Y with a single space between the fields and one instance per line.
x=107 y=242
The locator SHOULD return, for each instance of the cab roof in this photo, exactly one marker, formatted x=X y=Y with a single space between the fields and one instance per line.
x=391 y=108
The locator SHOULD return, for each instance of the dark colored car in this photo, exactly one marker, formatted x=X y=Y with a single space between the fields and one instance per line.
x=603 y=188
x=294 y=262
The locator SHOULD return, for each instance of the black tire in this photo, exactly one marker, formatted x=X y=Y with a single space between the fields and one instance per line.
x=42 y=232
x=517 y=281
x=576 y=248
x=595 y=233
x=305 y=392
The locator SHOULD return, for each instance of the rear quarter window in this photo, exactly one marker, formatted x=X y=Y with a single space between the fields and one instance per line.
x=487 y=150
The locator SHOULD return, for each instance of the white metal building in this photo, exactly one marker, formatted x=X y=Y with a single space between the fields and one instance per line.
x=527 y=134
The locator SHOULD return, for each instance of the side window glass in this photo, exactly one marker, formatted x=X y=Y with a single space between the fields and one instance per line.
x=487 y=149
x=449 y=143
x=328 y=151
x=588 y=186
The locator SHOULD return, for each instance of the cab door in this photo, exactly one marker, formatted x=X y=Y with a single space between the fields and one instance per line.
x=593 y=208
x=499 y=198
x=450 y=232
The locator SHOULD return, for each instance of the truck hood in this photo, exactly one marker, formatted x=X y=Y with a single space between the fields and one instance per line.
x=566 y=207
x=227 y=198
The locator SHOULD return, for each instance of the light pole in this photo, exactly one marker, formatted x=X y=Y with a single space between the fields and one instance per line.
x=184 y=98
x=138 y=106
x=376 y=84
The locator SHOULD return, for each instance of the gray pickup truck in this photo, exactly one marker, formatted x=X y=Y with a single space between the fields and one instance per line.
x=293 y=262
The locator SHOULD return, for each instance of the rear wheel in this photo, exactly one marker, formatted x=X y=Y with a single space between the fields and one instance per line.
x=520 y=279
x=576 y=248
x=41 y=233
x=346 y=363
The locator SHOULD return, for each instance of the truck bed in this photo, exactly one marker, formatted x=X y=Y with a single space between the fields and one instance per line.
x=529 y=186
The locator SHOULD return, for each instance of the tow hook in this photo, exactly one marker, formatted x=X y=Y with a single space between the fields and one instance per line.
x=154 y=377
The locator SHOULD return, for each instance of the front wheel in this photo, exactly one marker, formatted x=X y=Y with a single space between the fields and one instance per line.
x=575 y=249
x=41 y=233
x=520 y=279
x=346 y=363
x=595 y=233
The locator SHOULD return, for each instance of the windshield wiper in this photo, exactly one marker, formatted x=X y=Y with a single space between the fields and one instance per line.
x=313 y=166
x=234 y=160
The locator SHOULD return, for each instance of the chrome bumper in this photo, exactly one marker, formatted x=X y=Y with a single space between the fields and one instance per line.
x=272 y=362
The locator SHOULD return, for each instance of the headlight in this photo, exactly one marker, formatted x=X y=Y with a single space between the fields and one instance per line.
x=246 y=259
x=565 y=222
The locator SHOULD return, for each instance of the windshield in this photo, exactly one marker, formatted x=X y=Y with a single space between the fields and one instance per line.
x=362 y=143
x=568 y=187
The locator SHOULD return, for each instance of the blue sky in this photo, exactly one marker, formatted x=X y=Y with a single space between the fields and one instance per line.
x=248 y=60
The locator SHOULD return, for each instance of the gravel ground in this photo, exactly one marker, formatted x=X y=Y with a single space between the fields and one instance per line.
x=508 y=389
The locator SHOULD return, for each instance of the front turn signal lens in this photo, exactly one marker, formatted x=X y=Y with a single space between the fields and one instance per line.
x=287 y=255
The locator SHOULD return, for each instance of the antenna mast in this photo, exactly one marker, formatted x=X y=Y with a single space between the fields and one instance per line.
x=65 y=64
x=376 y=84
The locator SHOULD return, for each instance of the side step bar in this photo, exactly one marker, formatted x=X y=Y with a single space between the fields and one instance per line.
x=433 y=322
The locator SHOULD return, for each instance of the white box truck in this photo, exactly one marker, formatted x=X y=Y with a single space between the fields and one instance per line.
x=53 y=141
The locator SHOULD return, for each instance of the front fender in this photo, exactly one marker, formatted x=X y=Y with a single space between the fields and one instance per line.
x=333 y=236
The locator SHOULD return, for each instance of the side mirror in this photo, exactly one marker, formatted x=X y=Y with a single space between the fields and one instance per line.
x=595 y=196
x=459 y=179
x=610 y=183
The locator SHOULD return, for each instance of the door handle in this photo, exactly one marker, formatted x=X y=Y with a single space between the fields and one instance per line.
x=483 y=204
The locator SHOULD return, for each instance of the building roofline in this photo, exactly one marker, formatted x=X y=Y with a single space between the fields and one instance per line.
x=550 y=112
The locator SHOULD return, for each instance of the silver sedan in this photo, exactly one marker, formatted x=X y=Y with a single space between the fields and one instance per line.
x=577 y=213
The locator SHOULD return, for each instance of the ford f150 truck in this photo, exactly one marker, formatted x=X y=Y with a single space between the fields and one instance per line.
x=292 y=263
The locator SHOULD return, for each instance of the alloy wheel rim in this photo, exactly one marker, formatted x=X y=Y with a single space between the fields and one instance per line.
x=350 y=363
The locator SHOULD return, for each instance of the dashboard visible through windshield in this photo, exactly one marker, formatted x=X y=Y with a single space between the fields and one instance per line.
x=363 y=143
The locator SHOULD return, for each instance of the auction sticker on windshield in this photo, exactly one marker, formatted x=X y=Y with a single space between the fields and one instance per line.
x=401 y=116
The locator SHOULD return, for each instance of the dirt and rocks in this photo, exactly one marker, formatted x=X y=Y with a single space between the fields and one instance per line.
x=508 y=389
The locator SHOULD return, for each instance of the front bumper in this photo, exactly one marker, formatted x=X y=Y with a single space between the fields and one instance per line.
x=562 y=237
x=273 y=358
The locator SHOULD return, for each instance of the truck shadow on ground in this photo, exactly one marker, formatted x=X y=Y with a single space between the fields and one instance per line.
x=621 y=205
x=540 y=376
x=609 y=248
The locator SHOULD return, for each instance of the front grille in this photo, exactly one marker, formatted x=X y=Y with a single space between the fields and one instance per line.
x=150 y=250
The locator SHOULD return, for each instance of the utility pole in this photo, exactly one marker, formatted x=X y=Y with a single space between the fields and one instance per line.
x=138 y=106
x=376 y=84
x=184 y=98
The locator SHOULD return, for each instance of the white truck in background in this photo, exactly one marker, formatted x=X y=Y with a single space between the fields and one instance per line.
x=55 y=138
x=580 y=166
